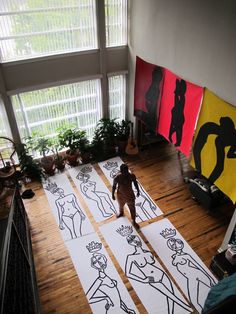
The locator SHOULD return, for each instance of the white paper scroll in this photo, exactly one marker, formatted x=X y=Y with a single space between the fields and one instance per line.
x=101 y=282
x=152 y=284
x=67 y=210
x=190 y=273
x=94 y=192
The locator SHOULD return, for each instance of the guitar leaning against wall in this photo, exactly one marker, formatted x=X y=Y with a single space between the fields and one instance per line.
x=132 y=147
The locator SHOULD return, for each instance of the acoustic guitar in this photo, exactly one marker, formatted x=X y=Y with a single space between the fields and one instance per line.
x=132 y=147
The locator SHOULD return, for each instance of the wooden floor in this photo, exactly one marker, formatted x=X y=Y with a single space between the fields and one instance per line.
x=158 y=169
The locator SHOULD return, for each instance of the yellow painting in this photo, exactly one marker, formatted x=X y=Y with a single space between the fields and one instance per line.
x=214 y=148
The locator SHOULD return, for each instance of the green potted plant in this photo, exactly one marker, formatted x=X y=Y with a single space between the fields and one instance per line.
x=43 y=146
x=123 y=132
x=104 y=140
x=59 y=157
x=85 y=149
x=28 y=166
x=72 y=138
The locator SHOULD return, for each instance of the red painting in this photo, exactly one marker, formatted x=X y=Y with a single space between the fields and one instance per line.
x=147 y=93
x=180 y=104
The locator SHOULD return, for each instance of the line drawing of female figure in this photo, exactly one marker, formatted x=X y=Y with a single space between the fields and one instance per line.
x=113 y=167
x=104 y=288
x=152 y=96
x=194 y=273
x=102 y=199
x=148 y=273
x=70 y=214
x=144 y=203
x=177 y=112
x=225 y=137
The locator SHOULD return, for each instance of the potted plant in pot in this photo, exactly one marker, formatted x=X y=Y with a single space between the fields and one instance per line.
x=123 y=131
x=104 y=140
x=43 y=145
x=59 y=157
x=85 y=149
x=29 y=167
x=71 y=138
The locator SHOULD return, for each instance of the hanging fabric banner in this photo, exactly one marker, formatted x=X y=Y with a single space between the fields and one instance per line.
x=147 y=92
x=214 y=148
x=179 y=109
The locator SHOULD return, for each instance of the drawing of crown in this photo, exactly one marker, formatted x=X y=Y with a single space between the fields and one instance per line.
x=86 y=169
x=125 y=231
x=52 y=187
x=110 y=164
x=93 y=247
x=168 y=233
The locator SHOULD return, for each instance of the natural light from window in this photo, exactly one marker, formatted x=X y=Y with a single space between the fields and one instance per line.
x=4 y=128
x=31 y=28
x=117 y=94
x=44 y=111
x=116 y=22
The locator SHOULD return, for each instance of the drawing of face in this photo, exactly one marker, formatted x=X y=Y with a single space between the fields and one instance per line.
x=84 y=177
x=175 y=244
x=57 y=191
x=134 y=240
x=99 y=261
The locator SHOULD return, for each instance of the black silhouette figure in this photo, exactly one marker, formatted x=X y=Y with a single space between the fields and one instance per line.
x=225 y=137
x=177 y=112
x=152 y=95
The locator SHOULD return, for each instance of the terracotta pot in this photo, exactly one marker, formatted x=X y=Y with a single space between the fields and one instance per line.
x=85 y=157
x=60 y=164
x=72 y=159
x=48 y=165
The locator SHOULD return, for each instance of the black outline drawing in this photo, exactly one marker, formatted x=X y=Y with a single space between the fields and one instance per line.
x=143 y=263
x=141 y=200
x=69 y=212
x=88 y=188
x=188 y=267
x=152 y=96
x=113 y=167
x=225 y=137
x=177 y=112
x=104 y=288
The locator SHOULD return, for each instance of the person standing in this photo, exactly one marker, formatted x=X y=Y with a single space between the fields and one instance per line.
x=125 y=194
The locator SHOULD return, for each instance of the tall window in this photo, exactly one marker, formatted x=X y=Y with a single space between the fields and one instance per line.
x=32 y=28
x=46 y=110
x=4 y=127
x=117 y=95
x=116 y=22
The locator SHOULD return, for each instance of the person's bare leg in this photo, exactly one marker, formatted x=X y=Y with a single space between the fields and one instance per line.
x=121 y=204
x=132 y=209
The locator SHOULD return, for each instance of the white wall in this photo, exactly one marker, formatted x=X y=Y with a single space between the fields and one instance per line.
x=194 y=39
